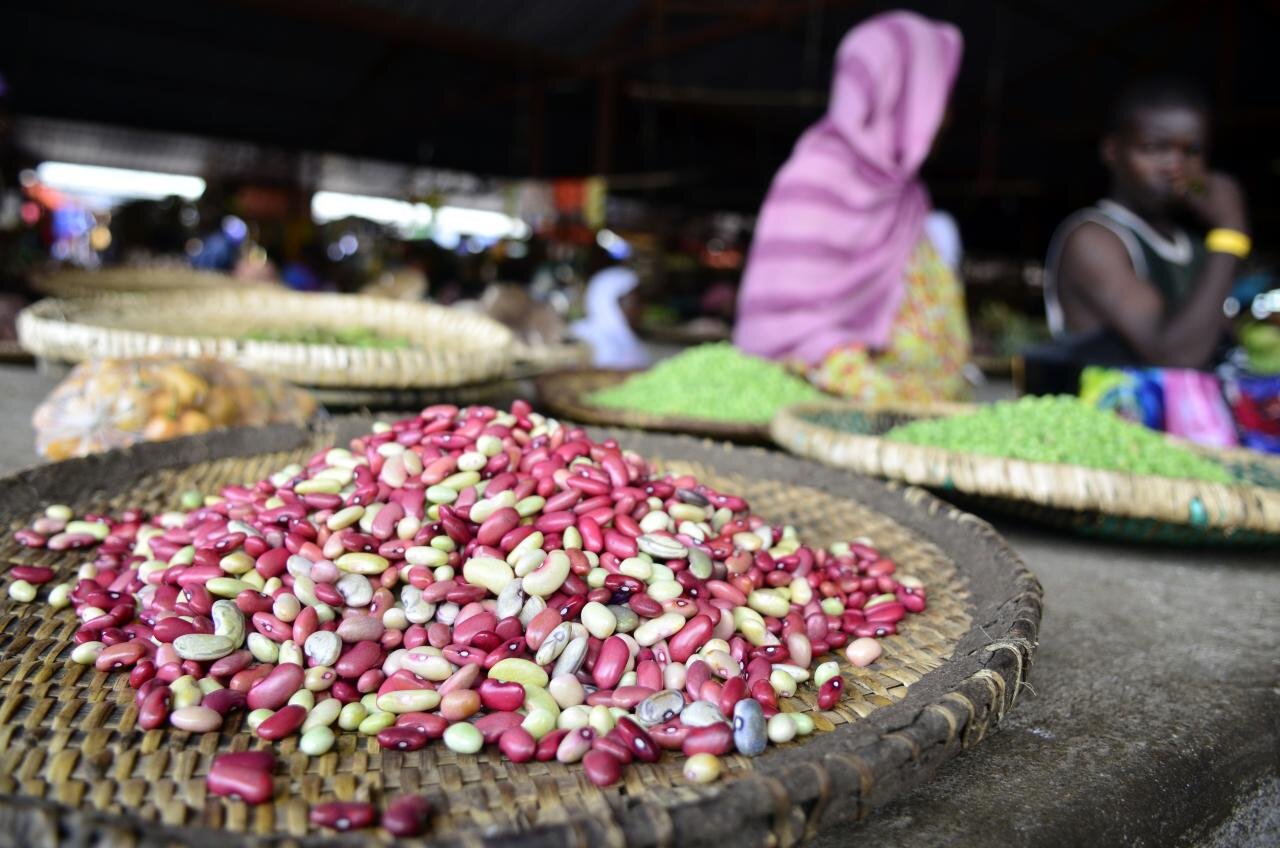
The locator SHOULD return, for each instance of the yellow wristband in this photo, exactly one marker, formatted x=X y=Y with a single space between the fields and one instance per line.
x=1222 y=240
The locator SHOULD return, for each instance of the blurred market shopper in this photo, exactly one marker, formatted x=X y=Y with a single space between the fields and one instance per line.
x=1125 y=284
x=612 y=308
x=843 y=277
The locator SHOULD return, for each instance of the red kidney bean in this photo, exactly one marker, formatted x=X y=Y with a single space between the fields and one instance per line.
x=613 y=744
x=611 y=663
x=223 y=701
x=358 y=659
x=259 y=760
x=830 y=692
x=499 y=696
x=243 y=681
x=465 y=631
x=30 y=539
x=277 y=687
x=498 y=525
x=510 y=648
x=402 y=738
x=696 y=633
x=602 y=768
x=669 y=736
x=493 y=725
x=169 y=629
x=231 y=663
x=120 y=655
x=713 y=739
x=154 y=710
x=344 y=815
x=142 y=672
x=733 y=691
x=548 y=744
x=890 y=611
x=250 y=784
x=518 y=745
x=913 y=602
x=407 y=815
x=592 y=535
x=432 y=725
x=540 y=627
x=641 y=744
x=34 y=574
x=645 y=606
x=873 y=628
x=285 y=722
x=271 y=627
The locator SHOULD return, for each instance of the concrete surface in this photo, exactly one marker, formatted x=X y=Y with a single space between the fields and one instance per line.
x=1153 y=716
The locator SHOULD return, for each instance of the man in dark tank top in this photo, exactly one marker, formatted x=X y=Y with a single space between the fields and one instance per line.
x=1125 y=284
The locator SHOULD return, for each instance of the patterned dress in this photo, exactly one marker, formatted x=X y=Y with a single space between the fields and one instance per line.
x=927 y=351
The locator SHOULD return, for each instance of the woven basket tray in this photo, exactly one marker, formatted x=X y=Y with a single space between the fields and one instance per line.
x=77 y=282
x=565 y=394
x=450 y=347
x=530 y=360
x=1087 y=500
x=74 y=766
x=499 y=392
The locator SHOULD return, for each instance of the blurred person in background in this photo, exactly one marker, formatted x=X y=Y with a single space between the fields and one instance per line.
x=19 y=242
x=612 y=312
x=843 y=277
x=1125 y=283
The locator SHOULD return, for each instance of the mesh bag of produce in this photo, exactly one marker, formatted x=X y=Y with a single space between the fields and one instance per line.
x=111 y=403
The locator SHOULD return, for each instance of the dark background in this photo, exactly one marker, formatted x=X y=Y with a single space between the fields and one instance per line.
x=691 y=104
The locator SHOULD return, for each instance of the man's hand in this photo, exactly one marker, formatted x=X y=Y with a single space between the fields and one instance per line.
x=1219 y=202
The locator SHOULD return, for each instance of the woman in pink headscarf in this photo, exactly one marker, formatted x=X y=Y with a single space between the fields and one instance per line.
x=843 y=277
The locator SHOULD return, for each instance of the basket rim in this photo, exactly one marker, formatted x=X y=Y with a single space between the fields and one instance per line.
x=122 y=279
x=861 y=765
x=1227 y=506
x=563 y=393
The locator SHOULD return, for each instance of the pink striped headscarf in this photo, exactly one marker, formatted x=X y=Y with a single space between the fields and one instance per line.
x=846 y=210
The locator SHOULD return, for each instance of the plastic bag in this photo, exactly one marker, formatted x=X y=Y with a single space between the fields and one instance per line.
x=1255 y=402
x=1134 y=394
x=112 y=403
x=1195 y=410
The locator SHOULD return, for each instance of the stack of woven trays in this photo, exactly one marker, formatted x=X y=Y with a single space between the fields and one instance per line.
x=1091 y=501
x=78 y=282
x=446 y=347
x=75 y=768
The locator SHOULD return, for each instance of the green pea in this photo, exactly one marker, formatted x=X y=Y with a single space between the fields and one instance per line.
x=713 y=381
x=1056 y=429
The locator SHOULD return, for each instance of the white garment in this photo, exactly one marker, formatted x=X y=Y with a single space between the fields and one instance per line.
x=605 y=328
x=944 y=235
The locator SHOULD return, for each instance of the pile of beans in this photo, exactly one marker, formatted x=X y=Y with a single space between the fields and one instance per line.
x=1060 y=429
x=479 y=577
x=714 y=381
